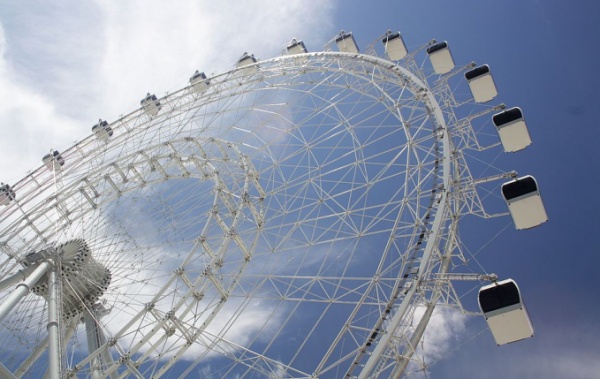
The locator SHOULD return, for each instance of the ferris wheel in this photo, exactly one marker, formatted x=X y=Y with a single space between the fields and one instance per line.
x=295 y=217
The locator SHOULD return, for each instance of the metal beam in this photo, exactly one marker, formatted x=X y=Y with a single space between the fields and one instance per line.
x=22 y=289
x=54 y=324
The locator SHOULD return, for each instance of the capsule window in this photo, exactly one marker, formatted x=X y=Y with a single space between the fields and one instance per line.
x=499 y=296
x=517 y=188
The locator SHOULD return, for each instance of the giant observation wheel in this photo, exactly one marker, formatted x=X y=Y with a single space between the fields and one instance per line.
x=294 y=217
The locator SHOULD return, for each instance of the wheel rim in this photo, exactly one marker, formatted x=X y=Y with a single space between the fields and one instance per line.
x=300 y=157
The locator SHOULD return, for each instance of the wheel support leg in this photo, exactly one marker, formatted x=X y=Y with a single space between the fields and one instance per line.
x=22 y=289
x=5 y=373
x=95 y=340
x=54 y=324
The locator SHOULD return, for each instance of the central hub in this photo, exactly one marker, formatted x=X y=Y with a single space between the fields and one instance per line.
x=84 y=280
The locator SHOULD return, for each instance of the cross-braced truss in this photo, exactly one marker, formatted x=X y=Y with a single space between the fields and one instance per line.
x=294 y=218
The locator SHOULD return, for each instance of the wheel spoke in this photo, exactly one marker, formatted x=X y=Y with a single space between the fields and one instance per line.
x=284 y=221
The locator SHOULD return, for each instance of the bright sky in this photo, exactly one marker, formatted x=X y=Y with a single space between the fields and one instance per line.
x=63 y=66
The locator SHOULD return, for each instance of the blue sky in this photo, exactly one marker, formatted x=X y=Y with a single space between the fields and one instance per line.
x=64 y=66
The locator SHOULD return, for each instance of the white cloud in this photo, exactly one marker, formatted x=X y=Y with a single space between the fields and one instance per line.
x=156 y=46
x=62 y=66
x=29 y=123
x=445 y=328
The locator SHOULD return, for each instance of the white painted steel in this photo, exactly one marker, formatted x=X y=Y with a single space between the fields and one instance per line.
x=328 y=187
x=55 y=352
x=22 y=289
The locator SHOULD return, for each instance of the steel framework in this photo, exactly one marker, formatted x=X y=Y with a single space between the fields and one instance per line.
x=287 y=219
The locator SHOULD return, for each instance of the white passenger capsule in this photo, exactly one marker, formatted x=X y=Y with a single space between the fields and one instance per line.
x=199 y=82
x=102 y=130
x=481 y=84
x=394 y=46
x=512 y=129
x=247 y=61
x=346 y=43
x=54 y=161
x=7 y=194
x=505 y=312
x=440 y=57
x=524 y=202
x=150 y=104
x=296 y=47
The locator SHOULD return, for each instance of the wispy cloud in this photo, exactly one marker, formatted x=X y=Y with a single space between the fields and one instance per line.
x=29 y=123
x=64 y=65
x=445 y=329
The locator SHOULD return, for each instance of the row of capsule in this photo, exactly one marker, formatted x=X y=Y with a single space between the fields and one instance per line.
x=500 y=301
x=522 y=194
x=510 y=123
